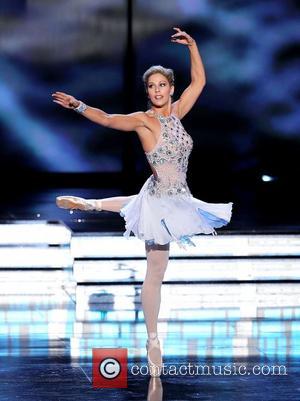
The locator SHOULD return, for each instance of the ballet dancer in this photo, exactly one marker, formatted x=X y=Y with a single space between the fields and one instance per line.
x=164 y=210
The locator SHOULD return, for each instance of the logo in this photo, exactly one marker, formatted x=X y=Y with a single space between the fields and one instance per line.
x=110 y=367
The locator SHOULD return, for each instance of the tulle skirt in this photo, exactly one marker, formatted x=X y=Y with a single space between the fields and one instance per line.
x=161 y=220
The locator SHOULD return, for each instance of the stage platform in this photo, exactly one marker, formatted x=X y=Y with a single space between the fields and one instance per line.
x=232 y=300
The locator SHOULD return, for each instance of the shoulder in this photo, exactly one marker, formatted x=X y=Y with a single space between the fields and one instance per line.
x=148 y=117
x=139 y=115
x=143 y=116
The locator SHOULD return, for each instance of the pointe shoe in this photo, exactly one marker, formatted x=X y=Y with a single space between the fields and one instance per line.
x=154 y=368
x=74 y=202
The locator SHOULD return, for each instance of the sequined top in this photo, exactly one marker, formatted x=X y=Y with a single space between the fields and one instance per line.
x=169 y=159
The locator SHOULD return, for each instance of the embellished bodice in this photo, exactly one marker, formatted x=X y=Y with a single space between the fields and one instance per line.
x=169 y=159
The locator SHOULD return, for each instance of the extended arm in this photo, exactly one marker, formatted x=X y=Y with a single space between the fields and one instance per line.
x=122 y=122
x=198 y=79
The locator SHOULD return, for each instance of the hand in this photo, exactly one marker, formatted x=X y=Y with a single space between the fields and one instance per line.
x=185 y=39
x=65 y=100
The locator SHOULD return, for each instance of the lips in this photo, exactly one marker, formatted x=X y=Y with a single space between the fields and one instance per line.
x=157 y=97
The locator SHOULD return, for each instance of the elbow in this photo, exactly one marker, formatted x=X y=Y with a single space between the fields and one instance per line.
x=202 y=80
x=199 y=81
x=202 y=84
x=107 y=120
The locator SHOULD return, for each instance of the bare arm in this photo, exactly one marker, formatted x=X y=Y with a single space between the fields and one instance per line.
x=198 y=79
x=122 y=122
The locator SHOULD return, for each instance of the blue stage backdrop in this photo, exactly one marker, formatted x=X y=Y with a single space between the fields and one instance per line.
x=245 y=122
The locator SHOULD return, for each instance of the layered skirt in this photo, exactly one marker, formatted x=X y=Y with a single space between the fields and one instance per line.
x=168 y=218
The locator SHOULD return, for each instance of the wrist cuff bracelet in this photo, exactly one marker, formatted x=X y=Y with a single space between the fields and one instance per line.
x=81 y=108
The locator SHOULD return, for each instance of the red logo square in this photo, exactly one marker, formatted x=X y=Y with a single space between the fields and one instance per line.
x=110 y=367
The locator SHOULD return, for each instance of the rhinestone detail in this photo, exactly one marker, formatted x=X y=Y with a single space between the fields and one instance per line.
x=169 y=159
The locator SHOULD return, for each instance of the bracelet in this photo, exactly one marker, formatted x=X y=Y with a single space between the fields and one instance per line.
x=81 y=108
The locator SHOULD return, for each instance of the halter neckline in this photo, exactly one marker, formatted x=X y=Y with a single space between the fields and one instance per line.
x=161 y=116
x=164 y=118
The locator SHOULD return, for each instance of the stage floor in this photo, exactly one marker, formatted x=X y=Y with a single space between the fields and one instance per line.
x=48 y=333
x=229 y=322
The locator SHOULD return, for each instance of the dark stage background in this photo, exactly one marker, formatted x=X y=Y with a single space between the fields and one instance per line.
x=245 y=124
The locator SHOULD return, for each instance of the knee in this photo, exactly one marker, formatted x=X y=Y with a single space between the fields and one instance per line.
x=157 y=262
x=156 y=272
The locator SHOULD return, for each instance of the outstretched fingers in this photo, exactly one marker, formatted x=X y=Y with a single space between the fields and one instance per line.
x=61 y=99
x=60 y=93
x=59 y=96
x=58 y=102
x=181 y=37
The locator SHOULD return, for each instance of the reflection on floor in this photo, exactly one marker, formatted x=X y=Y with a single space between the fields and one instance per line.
x=230 y=306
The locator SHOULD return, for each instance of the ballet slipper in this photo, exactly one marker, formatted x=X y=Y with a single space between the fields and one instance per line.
x=75 y=202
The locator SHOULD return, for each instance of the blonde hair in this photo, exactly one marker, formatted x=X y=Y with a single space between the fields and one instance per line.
x=154 y=69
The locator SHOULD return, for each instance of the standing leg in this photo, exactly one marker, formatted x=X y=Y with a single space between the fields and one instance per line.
x=157 y=262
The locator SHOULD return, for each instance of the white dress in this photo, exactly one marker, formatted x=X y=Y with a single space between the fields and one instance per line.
x=164 y=210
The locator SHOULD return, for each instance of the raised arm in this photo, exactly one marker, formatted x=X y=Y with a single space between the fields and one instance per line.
x=198 y=79
x=122 y=122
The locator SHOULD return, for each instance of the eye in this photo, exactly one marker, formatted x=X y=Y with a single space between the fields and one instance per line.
x=163 y=84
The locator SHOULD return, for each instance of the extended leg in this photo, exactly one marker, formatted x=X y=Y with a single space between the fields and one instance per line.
x=113 y=204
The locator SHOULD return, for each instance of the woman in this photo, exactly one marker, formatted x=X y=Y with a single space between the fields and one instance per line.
x=164 y=210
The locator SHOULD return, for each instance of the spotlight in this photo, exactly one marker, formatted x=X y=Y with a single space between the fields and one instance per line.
x=267 y=178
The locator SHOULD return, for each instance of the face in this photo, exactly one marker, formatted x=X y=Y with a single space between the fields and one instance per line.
x=159 y=90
